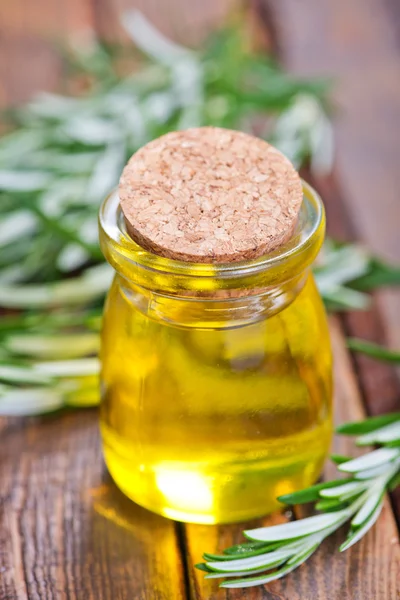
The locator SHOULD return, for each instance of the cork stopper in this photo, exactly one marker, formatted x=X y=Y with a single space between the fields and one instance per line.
x=210 y=195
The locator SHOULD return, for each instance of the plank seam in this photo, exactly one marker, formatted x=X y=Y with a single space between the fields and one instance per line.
x=183 y=551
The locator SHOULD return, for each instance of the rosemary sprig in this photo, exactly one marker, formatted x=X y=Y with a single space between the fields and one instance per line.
x=275 y=551
x=66 y=153
x=48 y=386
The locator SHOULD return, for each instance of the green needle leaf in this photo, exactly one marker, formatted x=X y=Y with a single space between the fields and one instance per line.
x=307 y=550
x=310 y=494
x=250 y=582
x=20 y=181
x=379 y=275
x=359 y=533
x=69 y=368
x=330 y=504
x=22 y=375
x=343 y=298
x=218 y=575
x=342 y=490
x=373 y=472
x=370 y=460
x=383 y=435
x=239 y=551
x=338 y=459
x=394 y=482
x=266 y=560
x=202 y=567
x=294 y=529
x=249 y=547
x=367 y=509
x=373 y=350
x=29 y=401
x=49 y=346
x=74 y=292
x=370 y=424
x=16 y=225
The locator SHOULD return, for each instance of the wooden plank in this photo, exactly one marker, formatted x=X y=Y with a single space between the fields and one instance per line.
x=369 y=570
x=357 y=43
x=66 y=532
x=187 y=22
x=208 y=538
x=378 y=381
x=28 y=35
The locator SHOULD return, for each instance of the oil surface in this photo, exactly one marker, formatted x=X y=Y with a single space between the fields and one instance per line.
x=211 y=425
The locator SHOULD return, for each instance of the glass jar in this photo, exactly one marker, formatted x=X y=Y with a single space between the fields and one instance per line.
x=216 y=379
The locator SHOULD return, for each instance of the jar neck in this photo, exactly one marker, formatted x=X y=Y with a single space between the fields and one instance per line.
x=192 y=294
x=208 y=313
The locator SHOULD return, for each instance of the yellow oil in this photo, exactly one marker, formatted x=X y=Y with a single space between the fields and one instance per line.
x=211 y=425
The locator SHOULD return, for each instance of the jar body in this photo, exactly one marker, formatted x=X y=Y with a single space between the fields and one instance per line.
x=211 y=424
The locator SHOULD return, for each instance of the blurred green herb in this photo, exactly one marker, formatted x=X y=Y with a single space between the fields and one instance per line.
x=275 y=551
x=374 y=350
x=346 y=272
x=66 y=154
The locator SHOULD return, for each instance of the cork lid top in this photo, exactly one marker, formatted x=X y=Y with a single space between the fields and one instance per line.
x=210 y=195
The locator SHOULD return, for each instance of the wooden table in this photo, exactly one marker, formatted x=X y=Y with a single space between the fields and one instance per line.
x=66 y=532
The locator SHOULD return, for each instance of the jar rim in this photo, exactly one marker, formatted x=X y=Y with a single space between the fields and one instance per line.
x=114 y=237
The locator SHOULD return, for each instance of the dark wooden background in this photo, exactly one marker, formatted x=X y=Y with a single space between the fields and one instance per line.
x=65 y=530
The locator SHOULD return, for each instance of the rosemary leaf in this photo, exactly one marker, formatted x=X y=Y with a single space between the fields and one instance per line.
x=243 y=551
x=16 y=225
x=393 y=444
x=367 y=509
x=62 y=346
x=330 y=504
x=394 y=482
x=344 y=298
x=69 y=368
x=359 y=533
x=338 y=459
x=370 y=424
x=379 y=275
x=310 y=494
x=250 y=582
x=293 y=529
x=373 y=472
x=267 y=560
x=342 y=490
x=89 y=286
x=219 y=574
x=23 y=181
x=373 y=350
x=248 y=548
x=22 y=375
x=30 y=401
x=202 y=567
x=370 y=460
x=383 y=435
